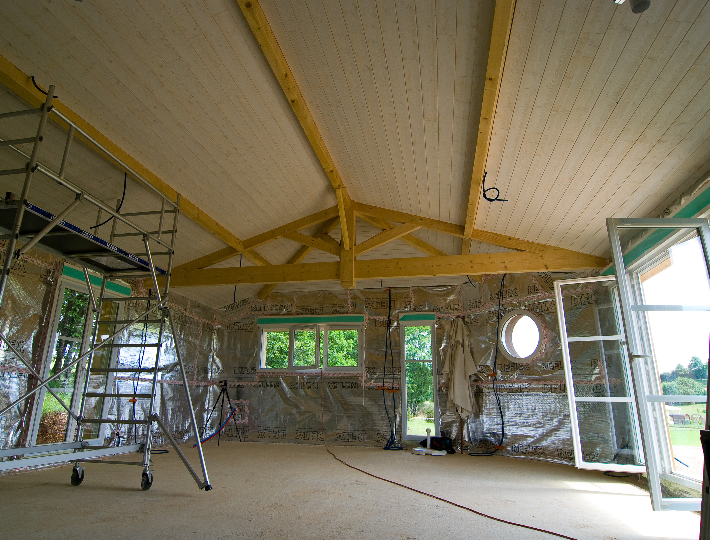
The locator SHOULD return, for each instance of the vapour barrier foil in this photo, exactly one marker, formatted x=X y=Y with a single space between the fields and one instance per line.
x=24 y=315
x=222 y=346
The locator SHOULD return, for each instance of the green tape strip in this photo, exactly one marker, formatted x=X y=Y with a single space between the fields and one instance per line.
x=427 y=317
x=313 y=320
x=95 y=280
x=690 y=210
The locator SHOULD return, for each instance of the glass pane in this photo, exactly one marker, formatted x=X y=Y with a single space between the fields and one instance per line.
x=417 y=343
x=684 y=422
x=420 y=397
x=342 y=348
x=589 y=309
x=678 y=278
x=53 y=418
x=73 y=314
x=606 y=433
x=101 y=359
x=277 y=344
x=304 y=348
x=598 y=369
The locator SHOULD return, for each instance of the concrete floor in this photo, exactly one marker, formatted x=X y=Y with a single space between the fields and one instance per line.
x=298 y=491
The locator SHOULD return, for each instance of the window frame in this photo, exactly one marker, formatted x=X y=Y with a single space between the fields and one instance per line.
x=419 y=319
x=68 y=281
x=322 y=326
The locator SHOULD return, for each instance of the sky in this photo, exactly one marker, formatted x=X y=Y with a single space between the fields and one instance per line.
x=678 y=336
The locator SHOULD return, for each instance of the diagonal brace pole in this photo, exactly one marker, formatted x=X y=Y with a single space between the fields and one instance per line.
x=189 y=399
x=79 y=359
x=32 y=370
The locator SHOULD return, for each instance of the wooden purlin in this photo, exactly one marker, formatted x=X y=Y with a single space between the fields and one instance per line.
x=256 y=19
x=21 y=84
x=502 y=23
x=453 y=265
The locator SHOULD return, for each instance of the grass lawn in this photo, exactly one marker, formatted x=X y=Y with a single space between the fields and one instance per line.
x=687 y=435
x=418 y=425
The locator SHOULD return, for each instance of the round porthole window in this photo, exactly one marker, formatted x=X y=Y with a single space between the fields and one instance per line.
x=520 y=336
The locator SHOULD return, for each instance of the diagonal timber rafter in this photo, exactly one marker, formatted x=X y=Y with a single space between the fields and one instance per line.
x=502 y=23
x=261 y=29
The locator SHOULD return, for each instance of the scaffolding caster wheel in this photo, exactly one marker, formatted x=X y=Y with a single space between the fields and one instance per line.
x=146 y=480
x=77 y=476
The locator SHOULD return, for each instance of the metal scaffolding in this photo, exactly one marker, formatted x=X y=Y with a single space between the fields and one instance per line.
x=52 y=233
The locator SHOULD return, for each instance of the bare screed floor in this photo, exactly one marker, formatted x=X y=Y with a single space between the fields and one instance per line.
x=299 y=491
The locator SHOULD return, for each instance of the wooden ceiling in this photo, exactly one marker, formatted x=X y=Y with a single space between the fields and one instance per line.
x=256 y=112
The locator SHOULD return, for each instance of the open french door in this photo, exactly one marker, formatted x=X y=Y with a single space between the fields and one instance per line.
x=603 y=414
x=661 y=268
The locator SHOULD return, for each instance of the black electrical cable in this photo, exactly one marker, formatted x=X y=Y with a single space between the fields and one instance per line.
x=471 y=282
x=125 y=179
x=420 y=492
x=391 y=443
x=499 y=446
x=37 y=86
x=496 y=197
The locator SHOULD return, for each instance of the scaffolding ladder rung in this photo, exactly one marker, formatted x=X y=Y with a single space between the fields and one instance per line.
x=169 y=231
x=101 y=394
x=128 y=298
x=13 y=171
x=122 y=370
x=13 y=142
x=153 y=253
x=134 y=345
x=111 y=421
x=126 y=321
x=129 y=273
x=150 y=213
x=23 y=112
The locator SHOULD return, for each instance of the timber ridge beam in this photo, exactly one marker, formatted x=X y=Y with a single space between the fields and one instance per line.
x=553 y=260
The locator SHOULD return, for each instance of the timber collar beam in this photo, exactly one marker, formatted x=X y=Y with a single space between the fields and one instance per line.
x=553 y=260
x=350 y=269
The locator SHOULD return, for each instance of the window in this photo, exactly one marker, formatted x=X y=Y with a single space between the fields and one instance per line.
x=68 y=338
x=520 y=333
x=311 y=343
x=419 y=398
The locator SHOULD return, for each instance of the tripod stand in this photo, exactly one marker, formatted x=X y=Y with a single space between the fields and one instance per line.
x=223 y=393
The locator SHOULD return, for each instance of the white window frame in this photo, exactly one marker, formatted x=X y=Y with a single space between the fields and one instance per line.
x=67 y=282
x=649 y=396
x=324 y=324
x=573 y=399
x=418 y=319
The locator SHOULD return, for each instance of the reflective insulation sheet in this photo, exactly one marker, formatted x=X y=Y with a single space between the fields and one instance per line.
x=24 y=319
x=221 y=352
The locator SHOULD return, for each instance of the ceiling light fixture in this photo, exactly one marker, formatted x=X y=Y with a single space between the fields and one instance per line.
x=637 y=6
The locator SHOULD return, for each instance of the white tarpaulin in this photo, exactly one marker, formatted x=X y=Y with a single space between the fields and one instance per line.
x=458 y=367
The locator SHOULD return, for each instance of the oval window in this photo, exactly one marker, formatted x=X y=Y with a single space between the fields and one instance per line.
x=520 y=335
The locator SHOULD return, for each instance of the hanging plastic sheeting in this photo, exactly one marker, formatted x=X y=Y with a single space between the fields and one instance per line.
x=457 y=370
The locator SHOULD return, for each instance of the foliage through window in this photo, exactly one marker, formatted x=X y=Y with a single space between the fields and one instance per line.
x=418 y=395
x=314 y=346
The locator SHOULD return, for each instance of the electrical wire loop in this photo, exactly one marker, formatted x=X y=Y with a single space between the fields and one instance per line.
x=496 y=197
